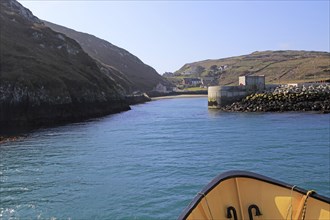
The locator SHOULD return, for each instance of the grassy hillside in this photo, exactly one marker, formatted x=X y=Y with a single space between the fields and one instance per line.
x=46 y=76
x=277 y=66
x=134 y=73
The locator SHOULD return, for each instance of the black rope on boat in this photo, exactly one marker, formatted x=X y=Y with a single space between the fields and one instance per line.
x=230 y=210
x=258 y=213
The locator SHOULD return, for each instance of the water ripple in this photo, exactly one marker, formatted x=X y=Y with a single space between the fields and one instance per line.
x=148 y=163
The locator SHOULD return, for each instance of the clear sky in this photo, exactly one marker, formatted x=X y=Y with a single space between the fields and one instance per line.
x=168 y=34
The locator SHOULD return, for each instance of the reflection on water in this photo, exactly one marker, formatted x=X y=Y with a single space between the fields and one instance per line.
x=148 y=163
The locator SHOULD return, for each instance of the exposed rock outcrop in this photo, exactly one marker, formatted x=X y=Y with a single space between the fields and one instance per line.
x=137 y=99
x=46 y=77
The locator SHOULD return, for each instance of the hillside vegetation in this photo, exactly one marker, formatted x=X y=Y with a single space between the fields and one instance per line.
x=46 y=77
x=131 y=72
x=277 y=66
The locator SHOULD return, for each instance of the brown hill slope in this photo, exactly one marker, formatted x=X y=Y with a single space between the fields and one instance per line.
x=46 y=77
x=138 y=75
x=277 y=66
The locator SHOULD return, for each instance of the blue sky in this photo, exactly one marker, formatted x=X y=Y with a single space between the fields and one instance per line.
x=168 y=34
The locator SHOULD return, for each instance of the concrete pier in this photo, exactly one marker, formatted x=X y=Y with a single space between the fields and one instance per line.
x=219 y=96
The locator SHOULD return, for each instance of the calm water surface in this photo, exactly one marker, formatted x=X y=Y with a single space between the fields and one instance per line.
x=148 y=163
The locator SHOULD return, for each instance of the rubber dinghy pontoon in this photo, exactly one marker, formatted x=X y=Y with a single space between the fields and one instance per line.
x=245 y=196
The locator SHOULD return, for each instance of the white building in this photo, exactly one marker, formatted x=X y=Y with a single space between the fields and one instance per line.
x=254 y=83
x=161 y=88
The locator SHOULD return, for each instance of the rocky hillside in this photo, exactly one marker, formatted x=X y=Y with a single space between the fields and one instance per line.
x=135 y=75
x=277 y=66
x=46 y=77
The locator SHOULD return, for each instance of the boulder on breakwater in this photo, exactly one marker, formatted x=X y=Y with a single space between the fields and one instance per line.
x=311 y=98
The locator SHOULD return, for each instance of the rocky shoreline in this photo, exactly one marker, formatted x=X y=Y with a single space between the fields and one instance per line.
x=282 y=99
x=137 y=99
x=4 y=139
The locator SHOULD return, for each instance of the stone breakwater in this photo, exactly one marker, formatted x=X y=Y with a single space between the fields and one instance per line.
x=311 y=98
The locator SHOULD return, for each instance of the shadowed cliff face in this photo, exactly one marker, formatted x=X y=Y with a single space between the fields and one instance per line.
x=46 y=77
x=131 y=70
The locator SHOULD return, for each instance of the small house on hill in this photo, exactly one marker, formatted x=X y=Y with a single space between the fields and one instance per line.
x=191 y=81
x=161 y=88
x=208 y=81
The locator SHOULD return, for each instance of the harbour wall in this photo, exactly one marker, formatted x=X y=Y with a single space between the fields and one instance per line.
x=219 y=96
x=306 y=97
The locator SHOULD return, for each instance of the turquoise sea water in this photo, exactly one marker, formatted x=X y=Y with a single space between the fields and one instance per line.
x=149 y=163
